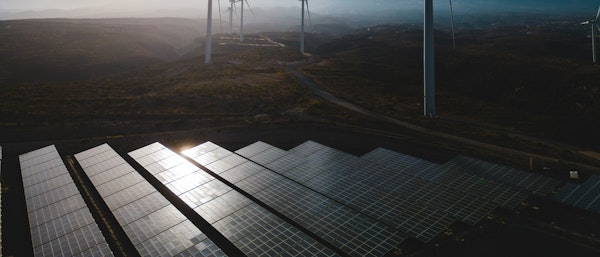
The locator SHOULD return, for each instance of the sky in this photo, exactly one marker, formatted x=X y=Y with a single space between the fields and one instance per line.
x=315 y=4
x=324 y=7
x=145 y=4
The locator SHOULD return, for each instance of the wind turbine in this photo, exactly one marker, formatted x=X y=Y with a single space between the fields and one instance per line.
x=242 y=19
x=220 y=19
x=302 y=25
x=231 y=9
x=208 y=51
x=428 y=58
x=595 y=25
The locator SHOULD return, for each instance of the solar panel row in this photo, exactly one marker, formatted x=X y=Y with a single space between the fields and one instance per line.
x=407 y=188
x=491 y=176
x=347 y=229
x=60 y=222
x=477 y=189
x=530 y=182
x=455 y=179
x=585 y=196
x=253 y=229
x=346 y=179
x=154 y=225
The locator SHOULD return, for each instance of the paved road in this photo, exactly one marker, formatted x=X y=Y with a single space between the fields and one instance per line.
x=292 y=69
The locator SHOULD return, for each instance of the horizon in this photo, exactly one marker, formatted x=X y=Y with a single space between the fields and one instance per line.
x=28 y=9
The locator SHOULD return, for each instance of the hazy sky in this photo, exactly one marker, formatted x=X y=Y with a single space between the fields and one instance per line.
x=136 y=4
x=317 y=6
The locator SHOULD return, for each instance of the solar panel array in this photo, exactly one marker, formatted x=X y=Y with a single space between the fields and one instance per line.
x=414 y=196
x=154 y=225
x=59 y=220
x=529 y=182
x=250 y=227
x=360 y=206
x=343 y=227
x=584 y=196
x=361 y=185
x=471 y=178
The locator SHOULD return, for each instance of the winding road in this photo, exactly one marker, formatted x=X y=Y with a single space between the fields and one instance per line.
x=292 y=70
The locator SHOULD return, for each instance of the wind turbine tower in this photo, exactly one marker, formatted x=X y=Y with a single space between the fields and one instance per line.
x=428 y=61
x=429 y=58
x=230 y=10
x=302 y=25
x=208 y=51
x=242 y=23
x=595 y=23
x=242 y=18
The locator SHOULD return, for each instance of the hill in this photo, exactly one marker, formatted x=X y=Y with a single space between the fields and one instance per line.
x=523 y=87
x=79 y=49
x=498 y=82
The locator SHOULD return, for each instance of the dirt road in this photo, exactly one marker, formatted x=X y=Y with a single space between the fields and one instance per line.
x=292 y=69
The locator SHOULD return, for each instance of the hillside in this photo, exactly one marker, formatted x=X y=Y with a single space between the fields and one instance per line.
x=69 y=49
x=529 y=88
x=498 y=83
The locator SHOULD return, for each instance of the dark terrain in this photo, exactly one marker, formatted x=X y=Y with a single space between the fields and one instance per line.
x=131 y=82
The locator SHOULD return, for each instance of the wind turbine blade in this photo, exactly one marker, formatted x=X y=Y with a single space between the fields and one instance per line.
x=452 y=25
x=585 y=23
x=598 y=15
x=309 y=20
x=250 y=8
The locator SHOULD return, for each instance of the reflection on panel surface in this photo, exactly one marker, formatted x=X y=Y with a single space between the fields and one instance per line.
x=60 y=222
x=370 y=189
x=154 y=225
x=417 y=197
x=338 y=224
x=253 y=229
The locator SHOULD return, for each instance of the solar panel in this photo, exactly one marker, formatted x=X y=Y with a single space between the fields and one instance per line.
x=328 y=156
x=455 y=175
x=391 y=158
x=340 y=177
x=154 y=225
x=250 y=150
x=407 y=188
x=584 y=196
x=269 y=155
x=59 y=220
x=232 y=161
x=530 y=182
x=251 y=228
x=566 y=191
x=338 y=224
x=305 y=149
